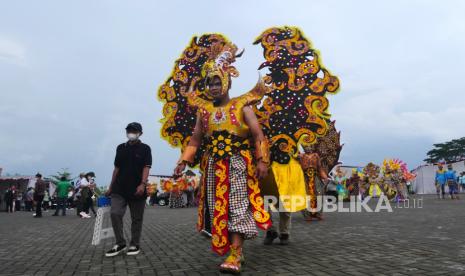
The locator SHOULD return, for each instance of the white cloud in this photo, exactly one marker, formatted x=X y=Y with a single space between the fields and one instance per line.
x=12 y=51
x=400 y=64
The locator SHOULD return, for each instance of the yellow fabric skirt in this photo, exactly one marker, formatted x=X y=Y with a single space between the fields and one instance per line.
x=287 y=182
x=375 y=190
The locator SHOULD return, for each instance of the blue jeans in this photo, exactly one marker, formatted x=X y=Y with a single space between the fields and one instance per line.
x=453 y=189
x=61 y=204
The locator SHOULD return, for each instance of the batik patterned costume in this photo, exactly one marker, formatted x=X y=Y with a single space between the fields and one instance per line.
x=226 y=161
x=293 y=110
x=231 y=185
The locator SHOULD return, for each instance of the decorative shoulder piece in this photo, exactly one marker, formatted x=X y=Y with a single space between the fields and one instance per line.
x=262 y=151
x=255 y=95
x=188 y=155
x=195 y=100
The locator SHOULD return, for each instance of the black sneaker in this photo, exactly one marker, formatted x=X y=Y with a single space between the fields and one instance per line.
x=133 y=250
x=284 y=239
x=269 y=238
x=116 y=250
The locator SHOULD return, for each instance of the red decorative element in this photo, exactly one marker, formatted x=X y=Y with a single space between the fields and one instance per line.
x=201 y=208
x=233 y=116
x=254 y=195
x=205 y=119
x=218 y=115
x=218 y=218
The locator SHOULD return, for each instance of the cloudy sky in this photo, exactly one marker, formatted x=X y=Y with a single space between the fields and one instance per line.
x=74 y=73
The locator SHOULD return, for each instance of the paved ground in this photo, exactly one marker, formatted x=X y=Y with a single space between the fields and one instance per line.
x=421 y=241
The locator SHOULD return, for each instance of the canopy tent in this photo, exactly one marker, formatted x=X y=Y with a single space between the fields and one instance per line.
x=424 y=183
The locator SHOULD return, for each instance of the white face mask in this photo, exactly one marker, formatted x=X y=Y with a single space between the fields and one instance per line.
x=133 y=136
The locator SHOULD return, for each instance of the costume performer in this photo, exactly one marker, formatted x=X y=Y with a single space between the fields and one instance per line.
x=294 y=113
x=316 y=168
x=314 y=172
x=354 y=183
x=394 y=179
x=175 y=190
x=216 y=130
x=372 y=179
x=341 y=181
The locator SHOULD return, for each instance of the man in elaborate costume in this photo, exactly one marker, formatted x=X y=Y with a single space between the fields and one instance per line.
x=394 y=181
x=236 y=140
x=372 y=180
x=353 y=184
x=314 y=173
x=341 y=184
x=231 y=161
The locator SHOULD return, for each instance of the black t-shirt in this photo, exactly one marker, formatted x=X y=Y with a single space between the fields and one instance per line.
x=131 y=159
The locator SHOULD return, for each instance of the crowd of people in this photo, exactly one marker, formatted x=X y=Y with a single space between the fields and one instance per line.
x=66 y=195
x=392 y=179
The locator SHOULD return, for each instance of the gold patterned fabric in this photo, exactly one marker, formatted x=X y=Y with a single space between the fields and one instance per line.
x=296 y=111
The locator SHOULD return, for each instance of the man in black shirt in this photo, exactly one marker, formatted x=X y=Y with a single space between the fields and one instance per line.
x=39 y=193
x=128 y=187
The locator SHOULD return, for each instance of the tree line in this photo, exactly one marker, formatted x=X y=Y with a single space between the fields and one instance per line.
x=451 y=151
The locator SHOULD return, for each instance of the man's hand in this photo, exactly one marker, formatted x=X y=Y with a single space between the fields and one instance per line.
x=108 y=192
x=262 y=170
x=140 y=190
x=179 y=170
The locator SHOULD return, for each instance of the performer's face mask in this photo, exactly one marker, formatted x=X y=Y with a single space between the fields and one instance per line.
x=133 y=136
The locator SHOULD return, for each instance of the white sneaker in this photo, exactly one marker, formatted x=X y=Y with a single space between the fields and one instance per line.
x=84 y=215
x=133 y=250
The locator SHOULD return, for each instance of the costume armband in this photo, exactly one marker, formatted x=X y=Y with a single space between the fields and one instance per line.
x=262 y=151
x=188 y=155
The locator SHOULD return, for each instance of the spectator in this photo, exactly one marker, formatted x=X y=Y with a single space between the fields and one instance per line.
x=18 y=200
x=84 y=194
x=70 y=203
x=29 y=199
x=128 y=187
x=46 y=203
x=9 y=196
x=440 y=180
x=62 y=189
x=90 y=198
x=451 y=180
x=39 y=193
x=77 y=195
x=462 y=181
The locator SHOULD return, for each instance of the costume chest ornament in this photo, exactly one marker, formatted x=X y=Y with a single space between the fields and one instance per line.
x=219 y=116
